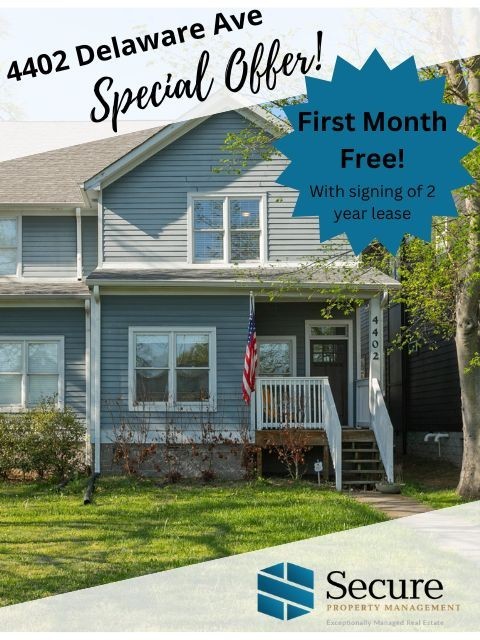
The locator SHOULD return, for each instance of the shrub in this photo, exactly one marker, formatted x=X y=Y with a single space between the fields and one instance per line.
x=11 y=449
x=132 y=448
x=290 y=444
x=45 y=441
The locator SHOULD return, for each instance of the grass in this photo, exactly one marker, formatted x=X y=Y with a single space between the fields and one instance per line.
x=432 y=482
x=50 y=543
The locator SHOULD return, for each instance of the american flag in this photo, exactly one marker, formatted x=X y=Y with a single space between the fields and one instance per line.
x=250 y=364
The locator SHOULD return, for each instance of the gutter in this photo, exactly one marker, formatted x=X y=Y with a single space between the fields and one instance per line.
x=234 y=283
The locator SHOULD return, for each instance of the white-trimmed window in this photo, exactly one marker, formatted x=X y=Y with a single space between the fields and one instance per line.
x=172 y=368
x=31 y=370
x=9 y=246
x=277 y=356
x=227 y=228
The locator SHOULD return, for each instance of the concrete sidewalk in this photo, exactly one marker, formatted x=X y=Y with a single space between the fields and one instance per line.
x=393 y=505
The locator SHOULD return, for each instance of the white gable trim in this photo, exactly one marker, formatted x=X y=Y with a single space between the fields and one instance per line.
x=139 y=154
x=165 y=137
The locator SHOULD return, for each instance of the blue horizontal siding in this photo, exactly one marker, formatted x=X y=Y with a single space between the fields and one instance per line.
x=89 y=244
x=49 y=246
x=67 y=322
x=228 y=314
x=145 y=211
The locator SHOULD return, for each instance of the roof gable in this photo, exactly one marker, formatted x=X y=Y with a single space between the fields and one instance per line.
x=61 y=177
x=168 y=135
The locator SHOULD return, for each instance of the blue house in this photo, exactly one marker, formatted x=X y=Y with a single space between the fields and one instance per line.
x=126 y=267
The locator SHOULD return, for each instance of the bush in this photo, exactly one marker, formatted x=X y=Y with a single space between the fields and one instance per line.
x=45 y=441
x=291 y=444
x=11 y=453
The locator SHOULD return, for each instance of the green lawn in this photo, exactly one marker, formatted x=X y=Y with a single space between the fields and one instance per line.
x=432 y=482
x=436 y=498
x=50 y=543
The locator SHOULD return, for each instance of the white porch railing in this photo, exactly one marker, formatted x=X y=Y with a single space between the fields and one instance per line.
x=306 y=403
x=290 y=402
x=382 y=427
x=333 y=429
x=362 y=402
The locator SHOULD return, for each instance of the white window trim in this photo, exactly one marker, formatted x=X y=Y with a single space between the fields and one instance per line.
x=292 y=339
x=171 y=404
x=226 y=197
x=19 y=269
x=60 y=340
x=349 y=337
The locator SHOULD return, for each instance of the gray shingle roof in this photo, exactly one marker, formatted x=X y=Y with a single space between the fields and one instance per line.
x=31 y=289
x=290 y=276
x=54 y=177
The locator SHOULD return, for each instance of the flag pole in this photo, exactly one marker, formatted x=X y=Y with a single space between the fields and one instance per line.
x=253 y=396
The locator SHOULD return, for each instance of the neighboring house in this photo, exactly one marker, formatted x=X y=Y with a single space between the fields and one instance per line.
x=126 y=269
x=422 y=392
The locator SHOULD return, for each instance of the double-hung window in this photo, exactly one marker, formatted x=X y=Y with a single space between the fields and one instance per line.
x=9 y=246
x=227 y=229
x=31 y=371
x=172 y=368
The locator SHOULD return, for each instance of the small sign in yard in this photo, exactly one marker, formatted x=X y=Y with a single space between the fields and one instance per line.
x=318 y=468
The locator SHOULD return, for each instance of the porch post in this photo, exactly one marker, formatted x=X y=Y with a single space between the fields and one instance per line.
x=376 y=342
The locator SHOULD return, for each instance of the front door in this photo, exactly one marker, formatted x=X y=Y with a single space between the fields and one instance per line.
x=330 y=358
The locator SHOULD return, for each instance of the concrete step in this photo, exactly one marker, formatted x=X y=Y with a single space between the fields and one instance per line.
x=362 y=460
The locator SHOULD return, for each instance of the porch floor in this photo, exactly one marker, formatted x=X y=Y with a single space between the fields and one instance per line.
x=316 y=437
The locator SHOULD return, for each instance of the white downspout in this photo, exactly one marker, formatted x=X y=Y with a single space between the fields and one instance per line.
x=95 y=377
x=78 y=216
x=88 y=420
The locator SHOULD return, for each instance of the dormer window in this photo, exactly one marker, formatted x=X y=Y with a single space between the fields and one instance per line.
x=226 y=229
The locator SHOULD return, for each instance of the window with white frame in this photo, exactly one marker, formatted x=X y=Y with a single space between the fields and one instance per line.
x=276 y=356
x=9 y=246
x=172 y=368
x=226 y=229
x=31 y=370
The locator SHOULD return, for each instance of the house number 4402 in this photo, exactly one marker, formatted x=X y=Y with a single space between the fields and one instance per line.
x=374 y=341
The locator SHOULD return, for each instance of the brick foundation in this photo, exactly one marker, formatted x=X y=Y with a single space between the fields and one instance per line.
x=224 y=460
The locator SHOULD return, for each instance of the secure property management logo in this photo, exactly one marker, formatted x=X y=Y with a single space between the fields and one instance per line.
x=285 y=591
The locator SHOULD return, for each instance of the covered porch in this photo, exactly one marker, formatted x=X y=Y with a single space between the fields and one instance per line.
x=325 y=378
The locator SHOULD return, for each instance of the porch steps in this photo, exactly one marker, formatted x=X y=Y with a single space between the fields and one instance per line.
x=361 y=464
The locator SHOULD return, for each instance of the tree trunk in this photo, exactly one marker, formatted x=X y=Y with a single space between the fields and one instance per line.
x=469 y=484
x=468 y=347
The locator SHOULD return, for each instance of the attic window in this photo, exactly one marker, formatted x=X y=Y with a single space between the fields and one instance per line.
x=226 y=229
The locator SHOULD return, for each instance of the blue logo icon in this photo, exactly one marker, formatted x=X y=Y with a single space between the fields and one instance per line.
x=285 y=591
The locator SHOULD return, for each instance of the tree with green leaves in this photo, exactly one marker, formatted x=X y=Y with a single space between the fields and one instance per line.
x=440 y=279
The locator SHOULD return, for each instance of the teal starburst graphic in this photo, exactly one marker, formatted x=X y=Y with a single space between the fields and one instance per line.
x=375 y=153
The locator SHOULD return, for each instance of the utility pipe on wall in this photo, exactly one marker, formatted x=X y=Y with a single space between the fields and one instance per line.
x=437 y=437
